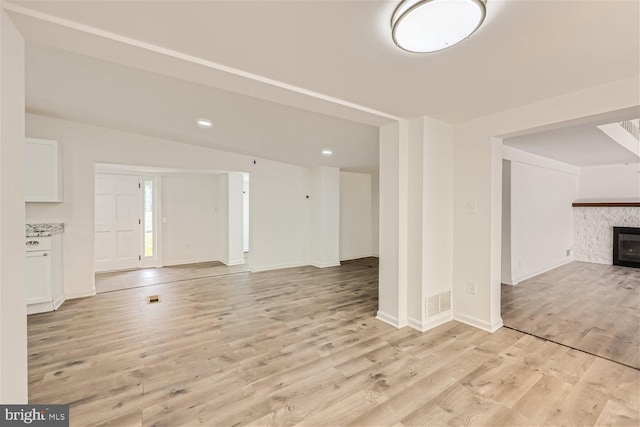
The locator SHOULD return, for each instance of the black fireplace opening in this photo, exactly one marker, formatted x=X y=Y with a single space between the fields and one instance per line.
x=626 y=246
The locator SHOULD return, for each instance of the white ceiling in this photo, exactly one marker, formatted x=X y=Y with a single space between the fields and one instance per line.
x=524 y=52
x=581 y=145
x=76 y=87
x=307 y=57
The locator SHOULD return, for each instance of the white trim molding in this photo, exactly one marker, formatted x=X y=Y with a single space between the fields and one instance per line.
x=318 y=265
x=255 y=269
x=74 y=295
x=388 y=319
x=434 y=322
x=477 y=323
x=544 y=270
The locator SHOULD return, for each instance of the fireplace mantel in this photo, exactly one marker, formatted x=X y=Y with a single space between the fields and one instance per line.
x=605 y=204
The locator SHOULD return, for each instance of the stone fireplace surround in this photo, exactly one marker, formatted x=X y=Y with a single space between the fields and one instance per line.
x=593 y=228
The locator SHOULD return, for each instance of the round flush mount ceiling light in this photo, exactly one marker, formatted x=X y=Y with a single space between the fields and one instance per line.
x=204 y=123
x=327 y=152
x=422 y=26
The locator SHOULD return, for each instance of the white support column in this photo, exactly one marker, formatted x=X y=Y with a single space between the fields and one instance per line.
x=230 y=218
x=437 y=224
x=236 y=215
x=13 y=307
x=416 y=226
x=392 y=283
x=325 y=217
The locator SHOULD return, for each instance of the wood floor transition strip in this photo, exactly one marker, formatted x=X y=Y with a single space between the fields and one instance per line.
x=571 y=347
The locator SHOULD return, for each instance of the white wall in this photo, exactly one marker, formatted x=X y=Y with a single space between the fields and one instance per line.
x=13 y=307
x=416 y=206
x=375 y=215
x=234 y=254
x=190 y=233
x=355 y=216
x=392 y=280
x=437 y=220
x=325 y=217
x=478 y=178
x=506 y=223
x=541 y=218
x=279 y=211
x=245 y=213
x=610 y=183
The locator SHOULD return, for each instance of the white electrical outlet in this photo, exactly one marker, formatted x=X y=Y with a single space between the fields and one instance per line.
x=472 y=207
x=471 y=287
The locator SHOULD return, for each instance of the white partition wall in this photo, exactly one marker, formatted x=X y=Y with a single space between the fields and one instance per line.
x=537 y=223
x=355 y=216
x=236 y=215
x=190 y=231
x=325 y=217
x=416 y=226
x=617 y=183
x=230 y=213
x=13 y=307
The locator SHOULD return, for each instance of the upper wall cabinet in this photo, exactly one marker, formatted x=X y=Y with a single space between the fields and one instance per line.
x=43 y=171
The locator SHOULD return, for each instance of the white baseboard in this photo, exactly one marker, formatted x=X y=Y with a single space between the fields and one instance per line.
x=478 y=323
x=188 y=261
x=351 y=257
x=57 y=303
x=388 y=319
x=42 y=307
x=234 y=262
x=325 y=265
x=277 y=266
x=83 y=294
x=435 y=321
x=544 y=270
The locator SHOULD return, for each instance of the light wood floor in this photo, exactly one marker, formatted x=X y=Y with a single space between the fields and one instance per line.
x=592 y=307
x=118 y=280
x=302 y=347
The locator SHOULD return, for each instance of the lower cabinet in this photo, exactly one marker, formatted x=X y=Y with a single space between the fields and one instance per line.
x=45 y=287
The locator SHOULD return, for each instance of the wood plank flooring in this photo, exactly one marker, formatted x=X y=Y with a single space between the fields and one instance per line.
x=301 y=347
x=118 y=280
x=591 y=307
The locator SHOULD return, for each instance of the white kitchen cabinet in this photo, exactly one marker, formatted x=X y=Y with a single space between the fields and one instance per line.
x=43 y=171
x=45 y=287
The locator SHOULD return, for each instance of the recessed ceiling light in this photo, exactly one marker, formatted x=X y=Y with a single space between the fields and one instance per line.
x=422 y=26
x=327 y=152
x=204 y=123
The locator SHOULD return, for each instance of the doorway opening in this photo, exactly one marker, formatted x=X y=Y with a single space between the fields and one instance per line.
x=551 y=241
x=161 y=225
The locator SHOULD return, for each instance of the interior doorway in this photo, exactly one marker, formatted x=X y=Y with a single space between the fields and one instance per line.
x=160 y=225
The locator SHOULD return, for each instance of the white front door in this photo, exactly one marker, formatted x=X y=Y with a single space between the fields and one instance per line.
x=118 y=222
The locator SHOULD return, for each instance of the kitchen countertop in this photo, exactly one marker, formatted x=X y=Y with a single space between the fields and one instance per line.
x=44 y=230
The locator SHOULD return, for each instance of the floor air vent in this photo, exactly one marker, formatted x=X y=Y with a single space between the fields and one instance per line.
x=439 y=303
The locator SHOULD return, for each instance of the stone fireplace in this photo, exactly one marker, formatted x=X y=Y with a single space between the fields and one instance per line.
x=593 y=229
